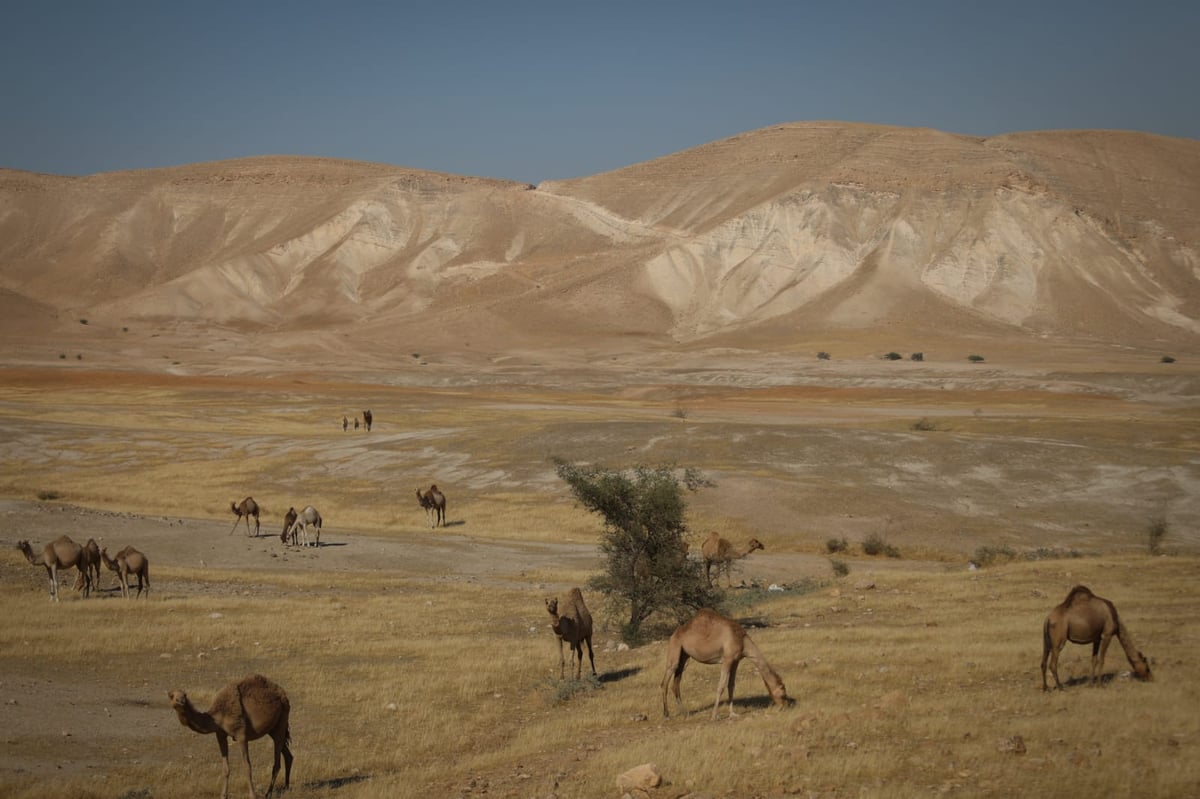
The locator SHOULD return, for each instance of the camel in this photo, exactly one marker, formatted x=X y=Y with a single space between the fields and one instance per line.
x=244 y=710
x=62 y=553
x=719 y=552
x=91 y=556
x=129 y=561
x=345 y=424
x=434 y=503
x=309 y=517
x=709 y=637
x=367 y=419
x=289 y=519
x=575 y=627
x=246 y=508
x=1084 y=618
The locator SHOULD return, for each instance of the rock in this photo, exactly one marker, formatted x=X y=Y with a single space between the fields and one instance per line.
x=640 y=778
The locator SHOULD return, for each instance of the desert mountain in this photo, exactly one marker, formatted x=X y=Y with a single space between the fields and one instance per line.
x=777 y=234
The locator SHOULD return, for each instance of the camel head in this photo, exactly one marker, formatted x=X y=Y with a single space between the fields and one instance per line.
x=1141 y=666
x=552 y=605
x=780 y=697
x=753 y=544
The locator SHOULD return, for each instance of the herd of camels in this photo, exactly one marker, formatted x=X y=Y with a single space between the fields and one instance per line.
x=255 y=707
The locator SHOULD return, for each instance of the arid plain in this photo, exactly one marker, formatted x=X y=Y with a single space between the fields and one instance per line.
x=420 y=662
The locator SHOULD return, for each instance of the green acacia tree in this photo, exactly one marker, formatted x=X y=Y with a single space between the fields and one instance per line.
x=644 y=544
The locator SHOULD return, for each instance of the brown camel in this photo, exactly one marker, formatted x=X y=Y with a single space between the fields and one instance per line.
x=711 y=638
x=434 y=503
x=62 y=553
x=244 y=710
x=721 y=553
x=574 y=626
x=1084 y=618
x=245 y=509
x=289 y=519
x=129 y=561
x=91 y=557
x=298 y=532
x=367 y=419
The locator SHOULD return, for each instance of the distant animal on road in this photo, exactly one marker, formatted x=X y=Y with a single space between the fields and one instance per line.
x=245 y=509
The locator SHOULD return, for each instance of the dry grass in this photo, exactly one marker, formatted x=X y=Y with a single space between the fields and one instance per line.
x=406 y=689
x=411 y=684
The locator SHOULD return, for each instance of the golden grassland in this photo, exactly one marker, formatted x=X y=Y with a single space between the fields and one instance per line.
x=916 y=685
x=405 y=685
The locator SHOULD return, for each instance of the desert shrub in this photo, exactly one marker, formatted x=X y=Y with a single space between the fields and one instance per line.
x=875 y=544
x=416 y=355
x=917 y=356
x=822 y=356
x=840 y=569
x=62 y=356
x=83 y=321
x=993 y=555
x=1168 y=359
x=79 y=357
x=124 y=330
x=740 y=602
x=837 y=545
x=46 y=496
x=558 y=691
x=893 y=356
x=924 y=424
x=680 y=412
x=975 y=358
x=1155 y=534
x=646 y=567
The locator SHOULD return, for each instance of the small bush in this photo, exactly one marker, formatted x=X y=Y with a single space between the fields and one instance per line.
x=975 y=358
x=837 y=545
x=83 y=321
x=917 y=356
x=992 y=555
x=62 y=356
x=924 y=425
x=822 y=356
x=680 y=412
x=79 y=357
x=987 y=555
x=1155 y=534
x=893 y=356
x=1168 y=359
x=840 y=569
x=47 y=496
x=875 y=544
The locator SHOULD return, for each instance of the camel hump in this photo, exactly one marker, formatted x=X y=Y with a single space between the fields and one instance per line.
x=1078 y=591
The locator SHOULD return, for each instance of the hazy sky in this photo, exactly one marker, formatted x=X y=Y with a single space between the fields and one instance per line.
x=538 y=90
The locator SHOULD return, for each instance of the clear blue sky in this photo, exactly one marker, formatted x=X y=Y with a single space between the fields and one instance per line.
x=537 y=90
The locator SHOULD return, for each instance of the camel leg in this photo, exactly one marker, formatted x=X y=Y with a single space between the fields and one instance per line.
x=561 y=661
x=53 y=572
x=672 y=679
x=577 y=659
x=245 y=742
x=721 y=685
x=591 y=655
x=279 y=744
x=1098 y=661
x=1054 y=653
x=223 y=746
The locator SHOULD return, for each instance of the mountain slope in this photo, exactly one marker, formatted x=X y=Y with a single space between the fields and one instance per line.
x=800 y=227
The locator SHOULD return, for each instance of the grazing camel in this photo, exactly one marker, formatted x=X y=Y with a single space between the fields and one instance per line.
x=289 y=519
x=720 y=553
x=434 y=503
x=244 y=710
x=575 y=627
x=367 y=419
x=1084 y=618
x=246 y=508
x=711 y=638
x=91 y=565
x=309 y=517
x=62 y=553
x=345 y=424
x=129 y=561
